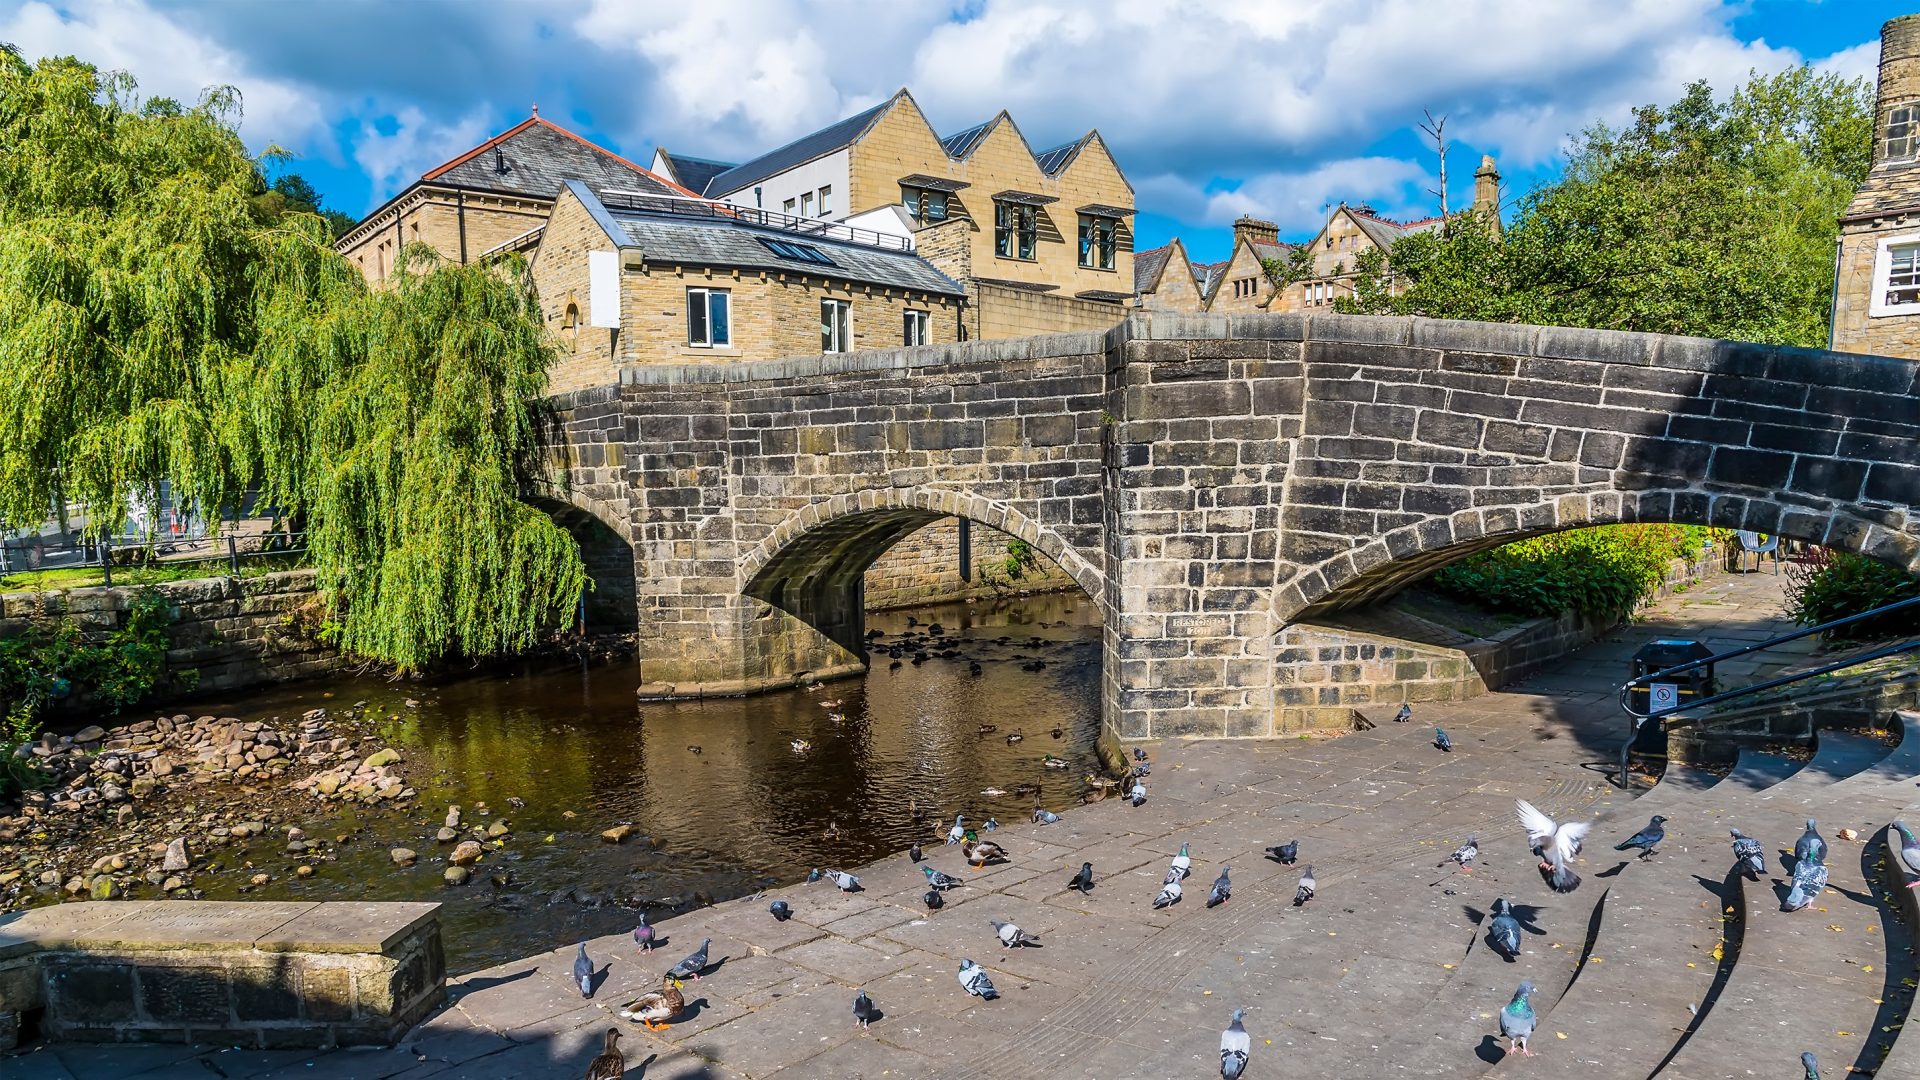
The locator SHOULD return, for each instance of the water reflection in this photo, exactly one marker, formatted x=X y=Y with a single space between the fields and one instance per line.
x=744 y=812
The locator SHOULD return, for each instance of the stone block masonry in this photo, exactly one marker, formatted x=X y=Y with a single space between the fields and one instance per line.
x=925 y=569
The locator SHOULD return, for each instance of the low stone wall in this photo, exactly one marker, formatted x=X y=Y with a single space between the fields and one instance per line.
x=1866 y=698
x=233 y=632
x=924 y=568
x=259 y=975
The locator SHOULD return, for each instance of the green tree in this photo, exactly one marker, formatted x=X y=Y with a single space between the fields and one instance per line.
x=159 y=321
x=1706 y=217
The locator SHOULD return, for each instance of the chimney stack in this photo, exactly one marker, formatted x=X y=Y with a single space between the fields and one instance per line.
x=1896 y=119
x=1486 y=192
x=1255 y=231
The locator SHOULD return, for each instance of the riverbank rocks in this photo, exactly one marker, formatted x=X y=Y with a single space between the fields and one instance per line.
x=380 y=758
x=466 y=852
x=446 y=835
x=618 y=834
x=498 y=829
x=457 y=875
x=403 y=856
x=177 y=856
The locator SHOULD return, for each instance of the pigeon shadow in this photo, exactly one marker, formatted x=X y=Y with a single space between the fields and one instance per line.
x=713 y=968
x=599 y=978
x=1782 y=890
x=1615 y=872
x=1490 y=1050
x=660 y=941
x=469 y=986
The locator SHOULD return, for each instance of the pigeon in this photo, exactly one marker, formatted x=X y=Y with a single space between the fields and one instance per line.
x=1305 y=892
x=1748 y=856
x=1045 y=817
x=939 y=880
x=863 y=1010
x=1810 y=845
x=1440 y=740
x=1139 y=754
x=583 y=972
x=1183 y=863
x=1137 y=794
x=1286 y=853
x=1908 y=853
x=843 y=881
x=958 y=832
x=610 y=1063
x=1809 y=879
x=694 y=964
x=1811 y=1066
x=973 y=979
x=1556 y=845
x=1222 y=889
x=913 y=853
x=1646 y=839
x=1011 y=936
x=990 y=825
x=1082 y=880
x=934 y=900
x=643 y=935
x=1504 y=932
x=1405 y=714
x=1169 y=895
x=813 y=875
x=1517 y=1020
x=1234 y=1045
x=1467 y=852
x=780 y=910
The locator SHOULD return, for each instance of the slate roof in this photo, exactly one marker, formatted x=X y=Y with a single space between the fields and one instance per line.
x=1147 y=265
x=1207 y=276
x=961 y=143
x=834 y=136
x=687 y=239
x=695 y=173
x=1889 y=188
x=539 y=156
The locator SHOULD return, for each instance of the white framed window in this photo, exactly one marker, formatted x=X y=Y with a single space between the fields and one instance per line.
x=806 y=204
x=1902 y=137
x=787 y=207
x=826 y=200
x=1896 y=277
x=915 y=328
x=709 y=318
x=833 y=326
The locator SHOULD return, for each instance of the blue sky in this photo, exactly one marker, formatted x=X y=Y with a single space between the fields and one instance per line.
x=1213 y=107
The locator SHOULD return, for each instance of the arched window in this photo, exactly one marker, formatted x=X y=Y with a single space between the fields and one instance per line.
x=570 y=326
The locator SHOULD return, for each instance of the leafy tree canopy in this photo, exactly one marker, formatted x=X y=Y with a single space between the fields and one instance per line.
x=166 y=315
x=1710 y=217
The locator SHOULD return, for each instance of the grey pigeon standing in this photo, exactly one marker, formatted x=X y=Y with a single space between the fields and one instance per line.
x=1011 y=936
x=1222 y=889
x=643 y=935
x=1169 y=895
x=1045 y=817
x=1083 y=880
x=1646 y=839
x=1748 y=856
x=1908 y=851
x=1405 y=714
x=844 y=881
x=863 y=1010
x=1137 y=794
x=939 y=880
x=913 y=853
x=1517 y=1020
x=1305 y=892
x=1504 y=932
x=780 y=910
x=990 y=825
x=973 y=979
x=1234 y=1046
x=1440 y=740
x=1467 y=852
x=1811 y=1067
x=1809 y=879
x=1286 y=853
x=1810 y=845
x=694 y=964
x=959 y=830
x=583 y=972
x=933 y=901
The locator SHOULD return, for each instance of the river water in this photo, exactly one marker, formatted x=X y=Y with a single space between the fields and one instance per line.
x=745 y=813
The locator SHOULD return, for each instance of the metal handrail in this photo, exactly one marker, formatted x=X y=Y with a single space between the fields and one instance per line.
x=681 y=205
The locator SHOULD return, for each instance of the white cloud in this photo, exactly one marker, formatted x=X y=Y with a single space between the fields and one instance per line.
x=1860 y=61
x=394 y=159
x=1296 y=201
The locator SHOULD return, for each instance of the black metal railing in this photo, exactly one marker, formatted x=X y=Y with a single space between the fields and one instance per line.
x=682 y=206
x=1636 y=718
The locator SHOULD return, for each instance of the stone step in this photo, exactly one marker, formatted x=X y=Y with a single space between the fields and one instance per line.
x=1904 y=1058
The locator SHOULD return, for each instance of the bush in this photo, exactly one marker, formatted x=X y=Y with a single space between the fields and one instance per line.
x=1602 y=572
x=1831 y=585
x=48 y=663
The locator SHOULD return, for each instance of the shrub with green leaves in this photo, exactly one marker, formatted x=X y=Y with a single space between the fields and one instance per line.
x=1831 y=585
x=54 y=660
x=1602 y=572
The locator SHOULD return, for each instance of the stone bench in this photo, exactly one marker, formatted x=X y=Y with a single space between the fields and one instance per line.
x=260 y=975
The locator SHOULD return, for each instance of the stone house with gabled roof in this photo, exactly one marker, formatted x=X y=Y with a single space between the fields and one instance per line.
x=1164 y=279
x=1876 y=296
x=494 y=196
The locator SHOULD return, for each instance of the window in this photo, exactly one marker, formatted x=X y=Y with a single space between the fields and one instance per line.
x=916 y=328
x=1896 y=277
x=1097 y=241
x=757 y=192
x=833 y=326
x=826 y=201
x=570 y=326
x=787 y=249
x=924 y=206
x=1901 y=141
x=709 y=325
x=1016 y=228
x=806 y=204
x=1243 y=287
x=787 y=206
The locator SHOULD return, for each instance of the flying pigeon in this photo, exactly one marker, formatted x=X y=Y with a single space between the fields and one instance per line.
x=1011 y=936
x=1286 y=852
x=1467 y=852
x=939 y=880
x=1045 y=817
x=1305 y=892
x=1222 y=889
x=1183 y=863
x=1809 y=878
x=959 y=830
x=1440 y=740
x=1169 y=895
x=1405 y=714
x=1556 y=845
x=643 y=935
x=973 y=979
x=694 y=964
x=1137 y=794
x=1811 y=1066
x=1234 y=1045
x=1908 y=852
x=583 y=972
x=780 y=910
x=1748 y=856
x=1810 y=845
x=1082 y=880
x=1517 y=1020
x=1646 y=839
x=863 y=1010
x=843 y=881
x=1504 y=932
x=913 y=853
x=933 y=899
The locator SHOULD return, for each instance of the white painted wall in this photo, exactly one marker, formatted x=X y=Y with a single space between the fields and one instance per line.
x=833 y=171
x=891 y=219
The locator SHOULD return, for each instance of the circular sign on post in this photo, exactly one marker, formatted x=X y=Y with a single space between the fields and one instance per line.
x=1663 y=697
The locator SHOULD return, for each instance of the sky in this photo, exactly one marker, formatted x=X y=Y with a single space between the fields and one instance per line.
x=1213 y=108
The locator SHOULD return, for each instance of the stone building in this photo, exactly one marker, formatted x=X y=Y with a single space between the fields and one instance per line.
x=1041 y=241
x=493 y=196
x=1243 y=285
x=1164 y=279
x=1876 y=296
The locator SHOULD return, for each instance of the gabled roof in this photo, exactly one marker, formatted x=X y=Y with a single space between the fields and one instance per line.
x=961 y=143
x=692 y=172
x=1207 y=277
x=1147 y=266
x=834 y=136
x=536 y=156
x=1052 y=161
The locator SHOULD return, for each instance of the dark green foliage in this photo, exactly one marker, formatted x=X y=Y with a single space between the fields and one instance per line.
x=52 y=661
x=1602 y=572
x=1832 y=585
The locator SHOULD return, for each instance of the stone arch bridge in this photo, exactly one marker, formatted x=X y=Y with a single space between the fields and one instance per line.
x=1207 y=480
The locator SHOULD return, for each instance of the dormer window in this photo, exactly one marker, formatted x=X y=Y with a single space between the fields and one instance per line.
x=1902 y=139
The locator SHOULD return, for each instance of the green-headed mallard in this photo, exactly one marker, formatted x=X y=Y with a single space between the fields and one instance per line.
x=982 y=852
x=656 y=1010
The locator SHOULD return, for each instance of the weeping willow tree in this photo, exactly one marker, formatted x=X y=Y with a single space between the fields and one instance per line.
x=163 y=319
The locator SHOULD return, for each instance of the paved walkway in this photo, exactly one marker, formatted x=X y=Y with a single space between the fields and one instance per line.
x=1350 y=982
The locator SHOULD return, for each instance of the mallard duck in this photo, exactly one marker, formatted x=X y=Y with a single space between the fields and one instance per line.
x=801 y=746
x=1014 y=738
x=609 y=1064
x=982 y=852
x=1101 y=782
x=655 y=1011
x=1052 y=762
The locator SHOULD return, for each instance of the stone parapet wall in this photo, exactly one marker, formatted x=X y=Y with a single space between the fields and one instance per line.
x=1003 y=312
x=925 y=569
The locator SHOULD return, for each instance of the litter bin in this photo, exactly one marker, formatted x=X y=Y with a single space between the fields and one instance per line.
x=1692 y=684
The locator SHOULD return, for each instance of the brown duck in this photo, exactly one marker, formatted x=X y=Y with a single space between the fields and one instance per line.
x=656 y=1010
x=609 y=1065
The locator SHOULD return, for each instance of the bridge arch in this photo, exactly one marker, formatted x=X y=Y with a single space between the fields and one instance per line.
x=602 y=532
